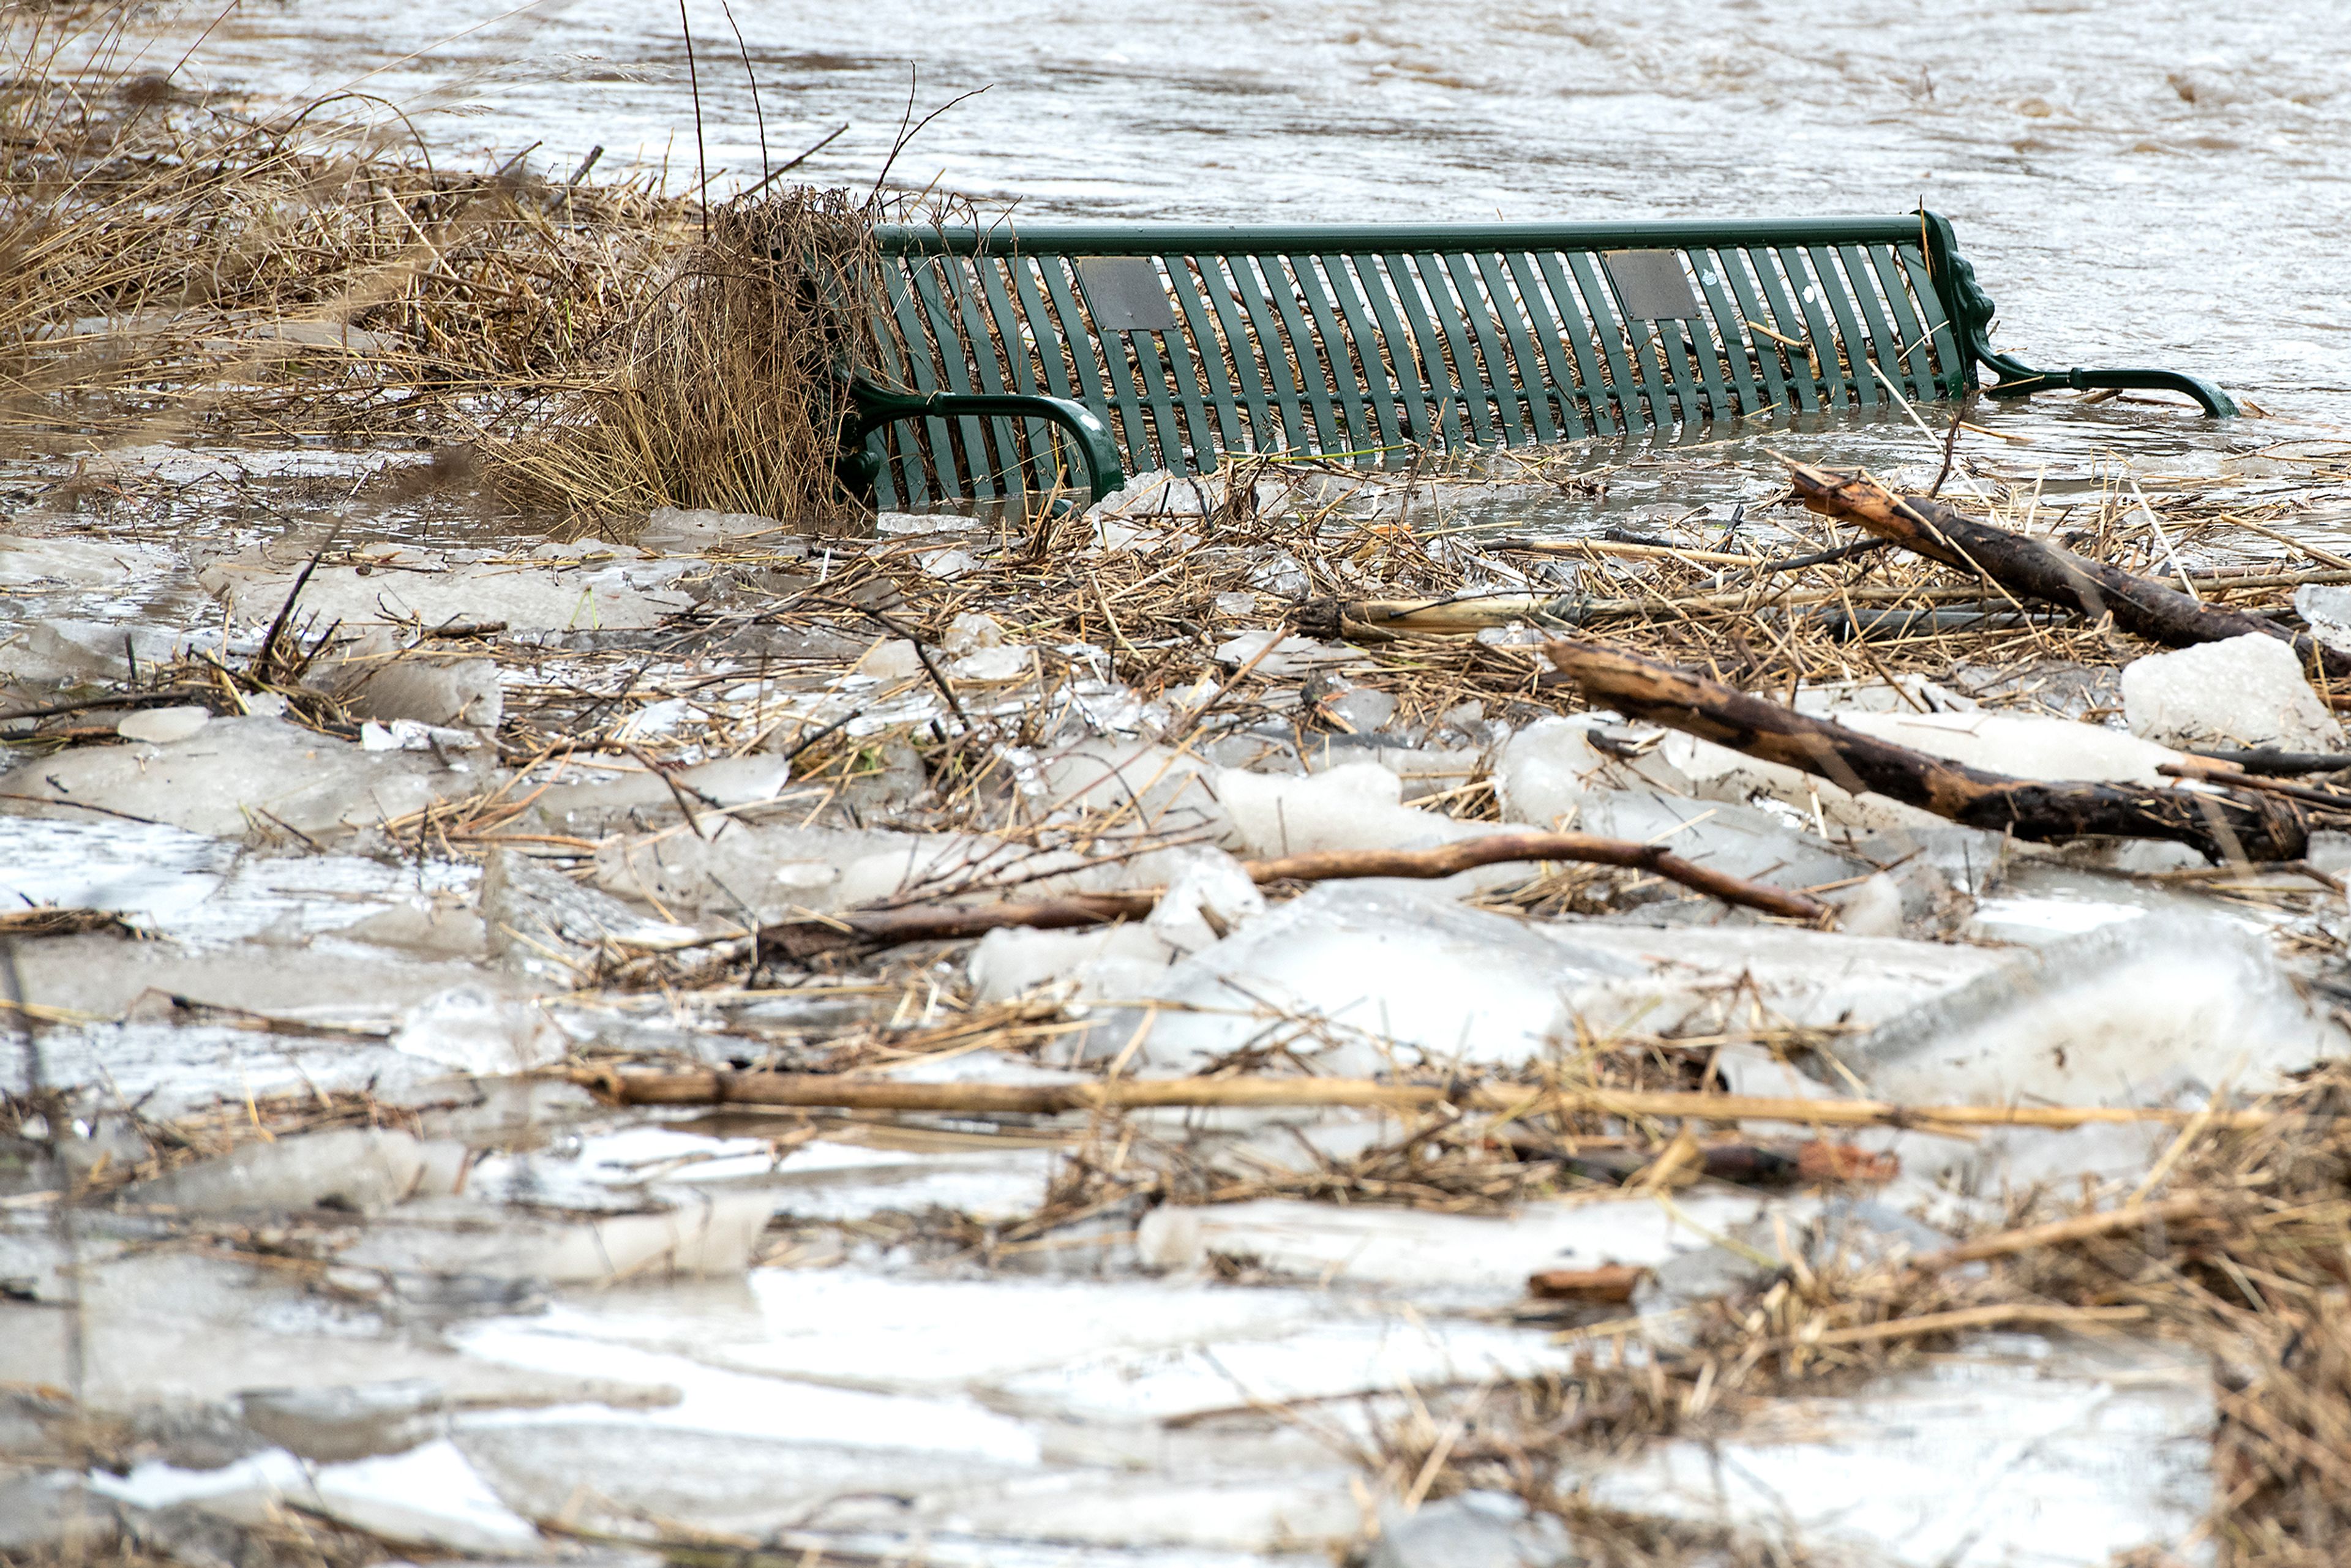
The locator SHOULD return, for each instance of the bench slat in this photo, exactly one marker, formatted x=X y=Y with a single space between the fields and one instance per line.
x=1608 y=409
x=953 y=361
x=1149 y=366
x=1312 y=377
x=1038 y=449
x=1273 y=352
x=921 y=360
x=1849 y=325
x=1452 y=357
x=1053 y=358
x=1672 y=342
x=1527 y=373
x=988 y=362
x=1497 y=378
x=1197 y=434
x=1427 y=348
x=1255 y=392
x=1218 y=379
x=1558 y=368
x=1885 y=349
x=1804 y=362
x=1918 y=365
x=1825 y=311
x=1741 y=394
x=1629 y=386
x=1315 y=285
x=1105 y=387
x=1951 y=359
x=1379 y=381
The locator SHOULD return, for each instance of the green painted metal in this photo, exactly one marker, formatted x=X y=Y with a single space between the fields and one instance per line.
x=989 y=375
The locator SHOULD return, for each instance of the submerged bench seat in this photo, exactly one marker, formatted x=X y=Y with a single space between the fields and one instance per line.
x=1017 y=360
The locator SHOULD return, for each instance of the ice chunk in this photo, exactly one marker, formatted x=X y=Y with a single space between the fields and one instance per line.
x=767 y=870
x=1118 y=963
x=1354 y=977
x=709 y=1234
x=238 y=775
x=362 y=1170
x=527 y=597
x=55 y=1512
x=2244 y=691
x=643 y=798
x=1454 y=1254
x=429 y=1496
x=1153 y=788
x=26 y=562
x=444 y=694
x=891 y=659
x=994 y=666
x=1425 y=770
x=674 y=528
x=2326 y=608
x=337 y=1425
x=2024 y=746
x=1290 y=656
x=1207 y=895
x=1472 y=1530
x=407 y=735
x=1359 y=806
x=1546 y=770
x=58 y=650
x=472 y=1030
x=1740 y=840
x=1362 y=710
x=942 y=863
x=2133 y=1013
x=164 y=725
x=2013 y=1450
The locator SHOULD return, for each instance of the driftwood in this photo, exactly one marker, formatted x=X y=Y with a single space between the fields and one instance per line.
x=846 y=1091
x=2221 y=828
x=797 y=941
x=2031 y=569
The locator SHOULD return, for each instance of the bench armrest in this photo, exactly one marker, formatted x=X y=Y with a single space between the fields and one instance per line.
x=2019 y=380
x=873 y=406
x=1969 y=309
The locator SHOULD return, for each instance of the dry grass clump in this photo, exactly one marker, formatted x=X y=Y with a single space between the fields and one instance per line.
x=179 y=264
x=728 y=390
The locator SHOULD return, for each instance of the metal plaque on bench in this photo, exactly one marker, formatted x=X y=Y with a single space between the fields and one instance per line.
x=1651 y=285
x=1123 y=295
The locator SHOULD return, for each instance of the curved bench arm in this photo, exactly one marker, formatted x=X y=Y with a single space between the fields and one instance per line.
x=1970 y=312
x=873 y=406
x=2019 y=380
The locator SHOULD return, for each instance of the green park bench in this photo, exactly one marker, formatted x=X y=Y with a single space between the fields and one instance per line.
x=1001 y=351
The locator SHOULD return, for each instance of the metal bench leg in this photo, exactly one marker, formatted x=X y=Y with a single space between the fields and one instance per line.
x=873 y=406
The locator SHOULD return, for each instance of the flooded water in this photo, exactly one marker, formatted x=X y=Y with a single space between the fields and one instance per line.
x=2153 y=181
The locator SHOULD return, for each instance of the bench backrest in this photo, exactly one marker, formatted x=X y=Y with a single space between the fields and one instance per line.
x=1193 y=343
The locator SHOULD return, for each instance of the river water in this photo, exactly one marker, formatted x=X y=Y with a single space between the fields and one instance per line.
x=2150 y=181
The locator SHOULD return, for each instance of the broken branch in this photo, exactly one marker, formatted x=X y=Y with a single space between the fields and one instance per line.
x=797 y=941
x=2031 y=569
x=2261 y=829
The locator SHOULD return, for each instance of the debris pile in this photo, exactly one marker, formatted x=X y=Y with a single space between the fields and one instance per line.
x=1306 y=1011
